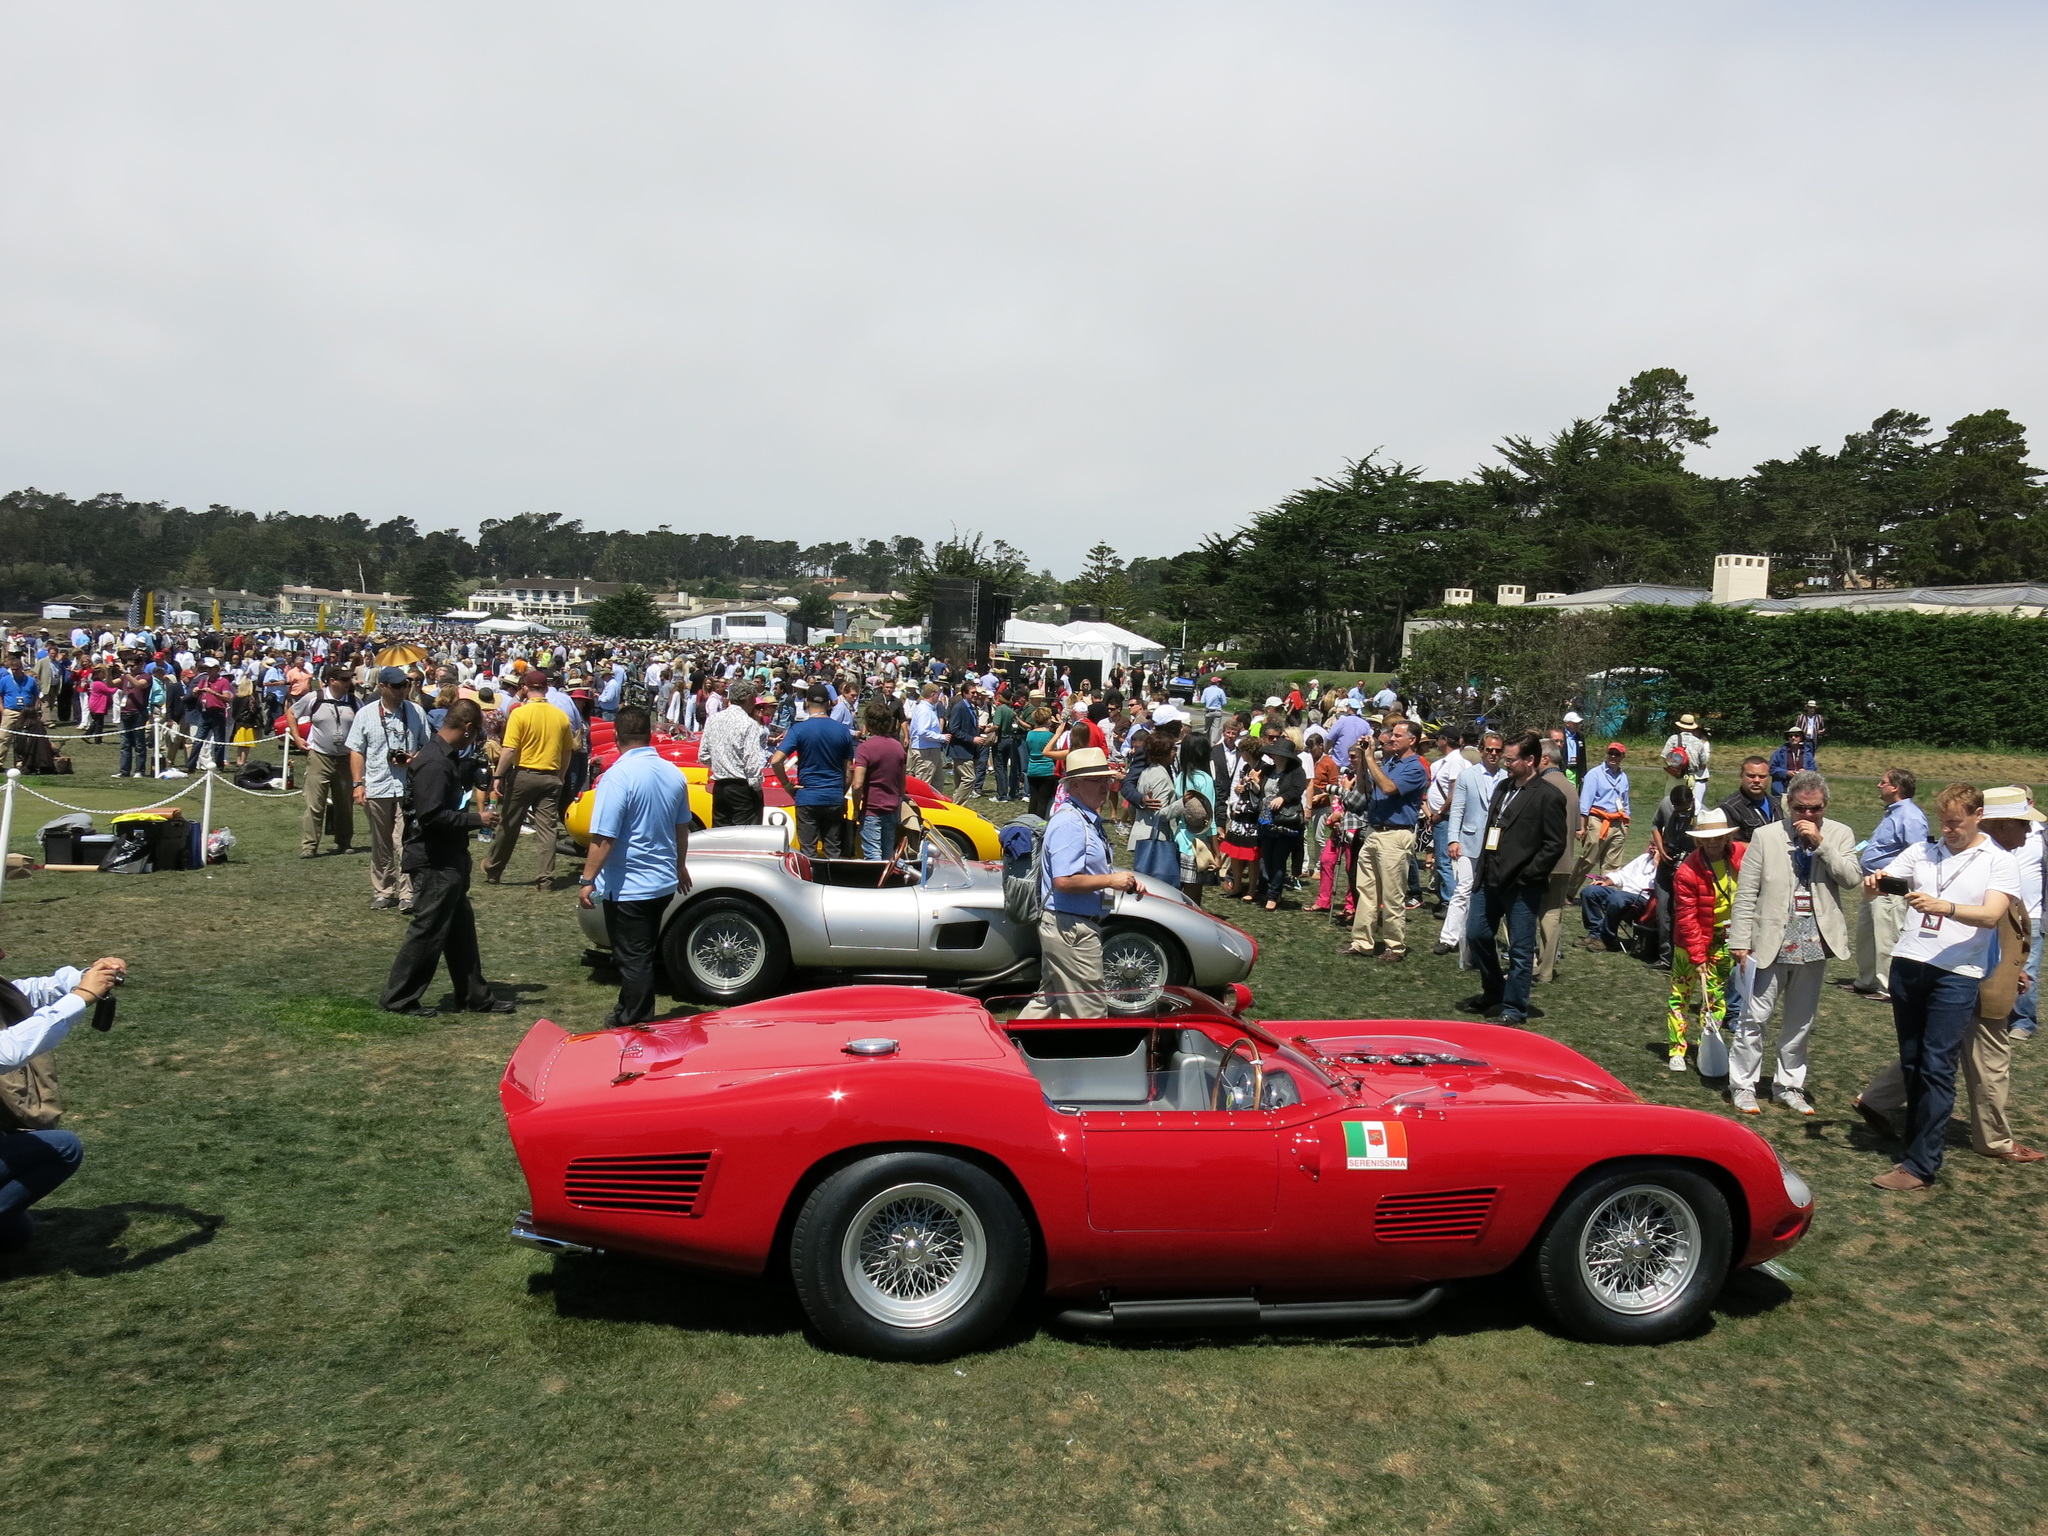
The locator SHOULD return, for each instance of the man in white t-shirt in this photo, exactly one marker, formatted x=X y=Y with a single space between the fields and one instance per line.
x=1958 y=892
x=1788 y=919
x=1436 y=807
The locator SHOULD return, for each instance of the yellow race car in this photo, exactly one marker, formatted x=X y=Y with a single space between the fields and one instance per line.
x=972 y=836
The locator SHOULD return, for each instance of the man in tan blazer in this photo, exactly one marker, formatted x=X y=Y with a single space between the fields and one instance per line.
x=1557 y=891
x=1788 y=919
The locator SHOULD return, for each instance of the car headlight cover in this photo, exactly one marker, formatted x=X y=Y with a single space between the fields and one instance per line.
x=1796 y=1188
x=1238 y=945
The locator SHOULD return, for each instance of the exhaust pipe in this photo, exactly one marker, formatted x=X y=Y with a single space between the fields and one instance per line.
x=523 y=1233
x=1245 y=1312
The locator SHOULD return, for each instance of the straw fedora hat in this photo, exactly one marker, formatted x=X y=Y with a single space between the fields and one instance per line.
x=1714 y=823
x=1688 y=723
x=2008 y=802
x=1090 y=763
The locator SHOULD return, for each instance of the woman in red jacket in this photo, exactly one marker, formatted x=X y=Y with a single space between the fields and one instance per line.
x=1703 y=893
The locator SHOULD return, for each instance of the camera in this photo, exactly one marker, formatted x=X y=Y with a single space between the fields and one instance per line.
x=1893 y=885
x=103 y=1010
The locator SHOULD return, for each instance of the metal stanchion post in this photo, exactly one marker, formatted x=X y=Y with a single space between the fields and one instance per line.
x=7 y=823
x=206 y=817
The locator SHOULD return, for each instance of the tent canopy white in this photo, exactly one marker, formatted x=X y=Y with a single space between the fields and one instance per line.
x=512 y=627
x=1110 y=644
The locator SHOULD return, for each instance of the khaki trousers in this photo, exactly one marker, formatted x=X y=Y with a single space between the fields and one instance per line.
x=386 y=817
x=330 y=804
x=10 y=720
x=1550 y=925
x=1987 y=1071
x=927 y=763
x=531 y=797
x=1877 y=930
x=1382 y=915
x=1070 y=969
x=1600 y=856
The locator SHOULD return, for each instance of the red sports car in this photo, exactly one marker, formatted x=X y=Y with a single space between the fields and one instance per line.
x=918 y=1164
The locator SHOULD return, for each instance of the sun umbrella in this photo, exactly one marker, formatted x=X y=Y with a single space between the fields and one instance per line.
x=400 y=655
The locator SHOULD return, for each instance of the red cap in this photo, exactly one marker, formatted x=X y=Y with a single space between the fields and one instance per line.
x=1615 y=746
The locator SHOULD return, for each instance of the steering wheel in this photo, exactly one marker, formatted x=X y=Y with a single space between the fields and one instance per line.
x=1251 y=1057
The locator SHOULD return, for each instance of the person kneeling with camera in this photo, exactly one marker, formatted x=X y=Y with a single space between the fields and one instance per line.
x=36 y=1014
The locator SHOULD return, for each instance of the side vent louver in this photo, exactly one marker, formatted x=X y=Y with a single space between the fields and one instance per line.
x=1441 y=1216
x=665 y=1184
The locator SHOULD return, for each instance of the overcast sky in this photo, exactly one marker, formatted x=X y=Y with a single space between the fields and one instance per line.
x=1055 y=272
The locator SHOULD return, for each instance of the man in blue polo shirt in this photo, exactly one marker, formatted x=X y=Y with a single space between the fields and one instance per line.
x=825 y=749
x=1075 y=871
x=18 y=691
x=1388 y=793
x=639 y=839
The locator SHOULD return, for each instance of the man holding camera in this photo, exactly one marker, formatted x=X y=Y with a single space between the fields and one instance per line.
x=381 y=741
x=447 y=772
x=35 y=1157
x=1390 y=798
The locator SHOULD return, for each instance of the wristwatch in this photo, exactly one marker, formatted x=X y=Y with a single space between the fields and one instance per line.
x=586 y=882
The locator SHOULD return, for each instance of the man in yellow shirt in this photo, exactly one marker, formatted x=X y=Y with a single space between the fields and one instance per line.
x=538 y=741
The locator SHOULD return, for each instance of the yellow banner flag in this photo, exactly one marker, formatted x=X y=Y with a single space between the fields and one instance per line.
x=369 y=621
x=216 y=613
x=321 y=622
x=149 y=610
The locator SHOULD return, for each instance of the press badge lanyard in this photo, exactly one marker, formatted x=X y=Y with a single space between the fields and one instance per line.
x=1493 y=827
x=1930 y=922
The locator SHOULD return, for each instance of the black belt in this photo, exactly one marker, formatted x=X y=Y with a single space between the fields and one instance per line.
x=1390 y=826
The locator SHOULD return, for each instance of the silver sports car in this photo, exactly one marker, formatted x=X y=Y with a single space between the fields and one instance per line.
x=761 y=918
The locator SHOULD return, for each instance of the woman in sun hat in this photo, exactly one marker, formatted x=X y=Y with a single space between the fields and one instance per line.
x=1703 y=896
x=1685 y=737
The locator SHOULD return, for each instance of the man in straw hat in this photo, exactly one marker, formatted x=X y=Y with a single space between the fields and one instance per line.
x=1969 y=935
x=1075 y=872
x=1703 y=902
x=1685 y=737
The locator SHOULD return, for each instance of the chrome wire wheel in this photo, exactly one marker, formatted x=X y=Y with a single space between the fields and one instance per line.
x=913 y=1255
x=1135 y=969
x=728 y=951
x=1639 y=1249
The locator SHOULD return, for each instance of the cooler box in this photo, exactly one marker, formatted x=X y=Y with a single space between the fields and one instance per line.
x=60 y=846
x=92 y=847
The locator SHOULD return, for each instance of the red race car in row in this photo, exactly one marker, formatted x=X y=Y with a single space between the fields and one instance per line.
x=916 y=1164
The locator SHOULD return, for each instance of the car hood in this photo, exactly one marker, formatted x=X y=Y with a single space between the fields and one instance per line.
x=1420 y=1061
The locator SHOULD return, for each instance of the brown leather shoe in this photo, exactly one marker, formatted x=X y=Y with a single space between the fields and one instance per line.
x=1900 y=1180
x=1393 y=956
x=2016 y=1153
x=544 y=884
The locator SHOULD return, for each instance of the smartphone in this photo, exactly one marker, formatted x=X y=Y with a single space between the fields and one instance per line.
x=1893 y=885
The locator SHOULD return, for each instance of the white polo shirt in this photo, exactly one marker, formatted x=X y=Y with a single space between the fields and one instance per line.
x=1966 y=879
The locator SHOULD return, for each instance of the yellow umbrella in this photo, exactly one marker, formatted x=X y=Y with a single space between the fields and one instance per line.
x=400 y=655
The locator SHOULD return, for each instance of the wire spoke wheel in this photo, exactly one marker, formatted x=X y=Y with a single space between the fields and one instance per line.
x=1135 y=969
x=1639 y=1249
x=914 y=1255
x=727 y=952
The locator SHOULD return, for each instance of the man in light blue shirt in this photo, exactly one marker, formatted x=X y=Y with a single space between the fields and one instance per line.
x=928 y=736
x=1879 y=923
x=1603 y=801
x=1471 y=801
x=1214 y=702
x=1345 y=733
x=380 y=739
x=1075 y=871
x=639 y=841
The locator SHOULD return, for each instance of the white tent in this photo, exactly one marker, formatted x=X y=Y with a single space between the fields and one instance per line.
x=761 y=626
x=512 y=627
x=1110 y=644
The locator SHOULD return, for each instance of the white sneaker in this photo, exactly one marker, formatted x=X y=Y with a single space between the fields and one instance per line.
x=1795 y=1101
x=1676 y=1061
x=1744 y=1100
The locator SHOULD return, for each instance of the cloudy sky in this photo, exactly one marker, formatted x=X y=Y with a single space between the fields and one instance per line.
x=1052 y=271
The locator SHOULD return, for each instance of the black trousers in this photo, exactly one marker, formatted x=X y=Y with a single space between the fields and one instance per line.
x=821 y=829
x=634 y=928
x=443 y=927
x=735 y=803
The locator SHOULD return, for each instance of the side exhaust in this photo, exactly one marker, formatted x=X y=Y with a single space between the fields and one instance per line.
x=1245 y=1312
x=523 y=1233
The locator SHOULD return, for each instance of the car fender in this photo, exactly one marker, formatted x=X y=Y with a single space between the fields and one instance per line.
x=1217 y=952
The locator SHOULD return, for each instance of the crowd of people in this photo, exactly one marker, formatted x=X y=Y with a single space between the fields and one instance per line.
x=1330 y=801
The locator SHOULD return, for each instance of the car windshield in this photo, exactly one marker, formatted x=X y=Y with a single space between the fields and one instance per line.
x=943 y=869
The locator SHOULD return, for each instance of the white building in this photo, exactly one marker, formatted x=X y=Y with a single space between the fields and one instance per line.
x=758 y=626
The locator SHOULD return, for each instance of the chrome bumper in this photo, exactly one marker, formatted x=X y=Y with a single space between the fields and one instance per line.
x=522 y=1232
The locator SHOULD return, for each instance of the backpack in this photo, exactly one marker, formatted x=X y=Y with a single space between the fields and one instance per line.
x=1023 y=843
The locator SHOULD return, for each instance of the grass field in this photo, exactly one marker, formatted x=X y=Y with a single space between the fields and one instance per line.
x=279 y=1298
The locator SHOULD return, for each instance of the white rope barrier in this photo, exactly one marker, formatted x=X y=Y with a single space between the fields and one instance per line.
x=100 y=810
x=7 y=823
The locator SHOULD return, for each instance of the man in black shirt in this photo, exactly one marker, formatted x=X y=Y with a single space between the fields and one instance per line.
x=437 y=831
x=1753 y=805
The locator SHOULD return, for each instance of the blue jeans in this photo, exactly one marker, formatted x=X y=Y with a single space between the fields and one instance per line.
x=212 y=727
x=135 y=746
x=1933 y=1011
x=877 y=834
x=1276 y=845
x=1604 y=906
x=32 y=1163
x=1446 y=872
x=1009 y=770
x=1518 y=906
x=2024 y=1009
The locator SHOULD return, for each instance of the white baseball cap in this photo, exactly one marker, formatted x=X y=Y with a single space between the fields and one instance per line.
x=1273 y=702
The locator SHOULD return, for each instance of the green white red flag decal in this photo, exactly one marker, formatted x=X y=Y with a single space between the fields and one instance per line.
x=1370 y=1144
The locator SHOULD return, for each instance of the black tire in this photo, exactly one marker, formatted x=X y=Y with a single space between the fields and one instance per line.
x=962 y=843
x=706 y=952
x=1648 y=1295
x=1131 y=950
x=913 y=1209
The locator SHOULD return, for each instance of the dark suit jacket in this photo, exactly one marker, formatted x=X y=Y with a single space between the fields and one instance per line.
x=1532 y=834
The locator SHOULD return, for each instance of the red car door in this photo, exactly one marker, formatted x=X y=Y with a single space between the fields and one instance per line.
x=1178 y=1170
